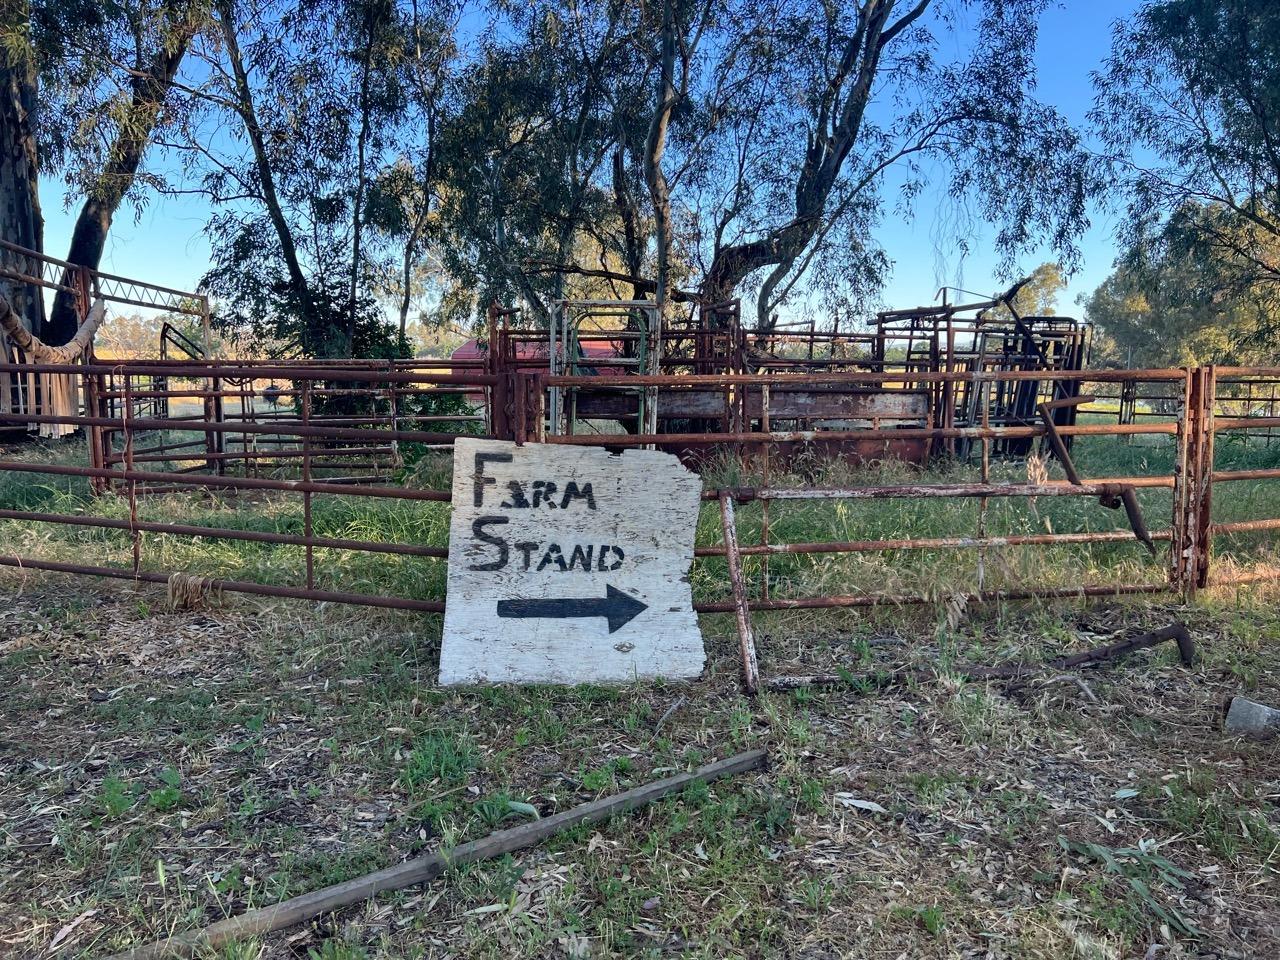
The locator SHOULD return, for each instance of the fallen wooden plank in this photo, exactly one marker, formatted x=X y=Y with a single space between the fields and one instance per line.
x=426 y=868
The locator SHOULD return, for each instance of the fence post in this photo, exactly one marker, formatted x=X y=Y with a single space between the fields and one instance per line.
x=135 y=536
x=1193 y=484
x=308 y=529
x=499 y=401
x=98 y=459
x=538 y=404
x=519 y=393
x=1204 y=490
x=213 y=441
x=1183 y=479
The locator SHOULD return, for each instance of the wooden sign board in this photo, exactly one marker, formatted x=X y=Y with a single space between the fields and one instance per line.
x=569 y=565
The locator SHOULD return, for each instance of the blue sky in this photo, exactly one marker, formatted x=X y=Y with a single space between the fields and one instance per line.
x=166 y=246
x=1075 y=38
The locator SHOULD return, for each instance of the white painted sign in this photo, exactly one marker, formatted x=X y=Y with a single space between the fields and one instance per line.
x=569 y=565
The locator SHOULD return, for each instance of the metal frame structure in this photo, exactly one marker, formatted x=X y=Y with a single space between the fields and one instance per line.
x=320 y=444
x=313 y=448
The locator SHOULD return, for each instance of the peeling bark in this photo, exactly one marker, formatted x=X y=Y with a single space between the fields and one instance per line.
x=20 y=219
x=41 y=352
x=148 y=90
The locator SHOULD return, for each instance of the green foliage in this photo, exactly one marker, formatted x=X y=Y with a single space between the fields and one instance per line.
x=443 y=757
x=1196 y=807
x=169 y=795
x=1139 y=867
x=337 y=950
x=1168 y=304
x=116 y=797
x=1187 y=106
x=1038 y=296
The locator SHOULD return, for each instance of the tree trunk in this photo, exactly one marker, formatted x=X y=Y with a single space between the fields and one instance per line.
x=410 y=253
x=835 y=125
x=20 y=220
x=262 y=162
x=147 y=96
x=624 y=203
x=660 y=193
x=362 y=140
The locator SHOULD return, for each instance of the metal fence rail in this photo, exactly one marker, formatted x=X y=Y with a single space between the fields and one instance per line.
x=132 y=456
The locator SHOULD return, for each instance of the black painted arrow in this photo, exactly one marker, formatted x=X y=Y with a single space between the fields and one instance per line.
x=617 y=607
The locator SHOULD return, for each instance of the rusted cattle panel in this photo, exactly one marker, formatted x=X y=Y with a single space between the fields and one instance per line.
x=784 y=404
x=907 y=449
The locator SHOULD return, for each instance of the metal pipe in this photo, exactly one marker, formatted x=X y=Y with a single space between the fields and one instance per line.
x=226 y=533
x=746 y=635
x=931 y=543
x=984 y=596
x=234 y=586
x=237 y=483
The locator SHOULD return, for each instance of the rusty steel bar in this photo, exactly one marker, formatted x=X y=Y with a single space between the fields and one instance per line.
x=1231 y=373
x=1223 y=424
x=764 y=506
x=690 y=381
x=930 y=543
x=135 y=535
x=233 y=586
x=1245 y=526
x=208 y=426
x=928 y=491
x=227 y=533
x=1227 y=476
x=888 y=436
x=1204 y=491
x=746 y=635
x=981 y=596
x=254 y=454
x=307 y=530
x=236 y=483
x=204 y=369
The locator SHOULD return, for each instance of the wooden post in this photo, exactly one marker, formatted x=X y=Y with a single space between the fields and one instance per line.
x=1179 y=544
x=97 y=455
x=1193 y=496
x=499 y=403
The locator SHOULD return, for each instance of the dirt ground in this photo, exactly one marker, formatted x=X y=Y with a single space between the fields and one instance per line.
x=161 y=770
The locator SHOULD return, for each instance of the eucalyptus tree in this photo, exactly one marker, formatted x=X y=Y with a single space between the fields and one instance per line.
x=1188 y=107
x=87 y=87
x=133 y=101
x=20 y=218
x=1165 y=305
x=804 y=121
x=307 y=106
x=404 y=200
x=528 y=154
x=775 y=136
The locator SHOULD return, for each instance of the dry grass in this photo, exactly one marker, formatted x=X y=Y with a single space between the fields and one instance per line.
x=163 y=769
